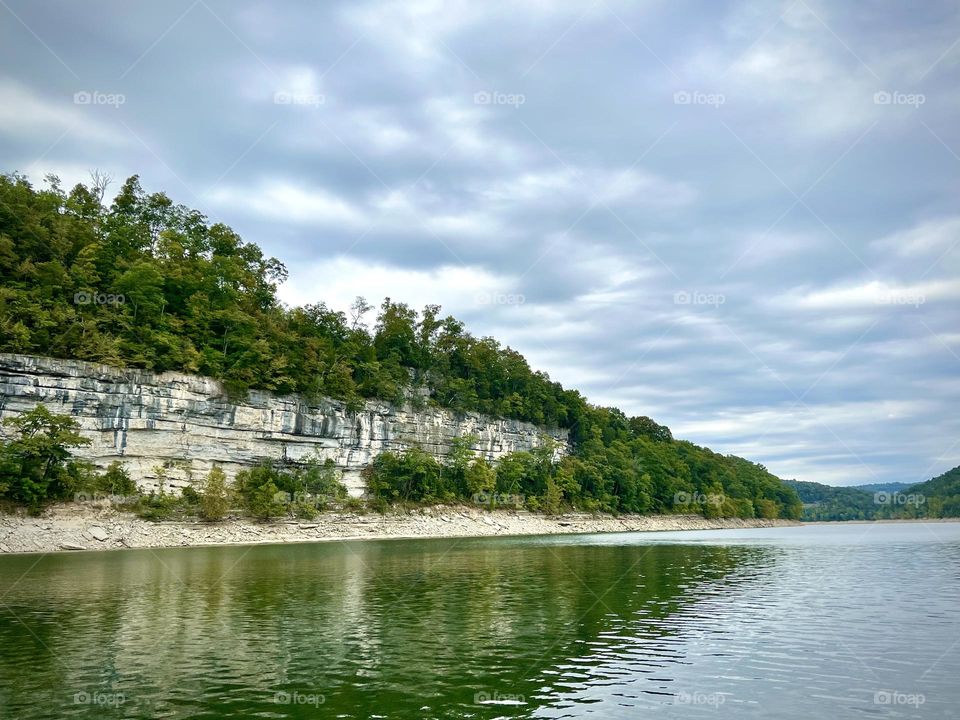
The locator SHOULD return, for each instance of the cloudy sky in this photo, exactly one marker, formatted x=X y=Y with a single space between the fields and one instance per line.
x=738 y=218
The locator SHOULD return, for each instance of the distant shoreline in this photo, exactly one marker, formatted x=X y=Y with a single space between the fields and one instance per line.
x=71 y=528
x=881 y=521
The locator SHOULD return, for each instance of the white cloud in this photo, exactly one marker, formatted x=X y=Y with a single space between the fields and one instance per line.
x=283 y=200
x=874 y=293
x=760 y=248
x=26 y=115
x=337 y=281
x=930 y=237
x=586 y=186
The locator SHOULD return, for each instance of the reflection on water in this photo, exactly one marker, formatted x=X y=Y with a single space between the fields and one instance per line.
x=779 y=623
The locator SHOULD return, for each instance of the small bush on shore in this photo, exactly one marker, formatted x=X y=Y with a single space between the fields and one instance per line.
x=156 y=506
x=361 y=506
x=115 y=480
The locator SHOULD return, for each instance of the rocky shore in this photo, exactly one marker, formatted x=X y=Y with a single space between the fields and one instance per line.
x=92 y=527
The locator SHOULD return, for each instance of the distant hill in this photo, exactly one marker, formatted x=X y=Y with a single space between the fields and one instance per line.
x=935 y=498
x=942 y=494
x=883 y=487
x=826 y=502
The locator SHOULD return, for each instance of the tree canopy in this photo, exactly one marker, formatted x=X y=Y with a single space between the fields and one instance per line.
x=145 y=282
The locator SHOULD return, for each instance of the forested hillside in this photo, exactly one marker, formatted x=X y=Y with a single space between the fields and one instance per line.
x=883 y=487
x=936 y=498
x=827 y=502
x=942 y=494
x=148 y=283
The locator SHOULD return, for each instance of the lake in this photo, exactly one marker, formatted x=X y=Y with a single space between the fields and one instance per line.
x=824 y=621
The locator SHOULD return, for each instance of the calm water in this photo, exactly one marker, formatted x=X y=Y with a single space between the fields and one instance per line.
x=854 y=621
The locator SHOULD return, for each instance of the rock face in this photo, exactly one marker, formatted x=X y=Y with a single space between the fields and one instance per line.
x=186 y=424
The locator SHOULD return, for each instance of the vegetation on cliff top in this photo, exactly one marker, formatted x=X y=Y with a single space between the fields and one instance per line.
x=149 y=283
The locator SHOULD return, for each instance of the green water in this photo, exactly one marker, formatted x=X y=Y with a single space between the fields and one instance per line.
x=846 y=621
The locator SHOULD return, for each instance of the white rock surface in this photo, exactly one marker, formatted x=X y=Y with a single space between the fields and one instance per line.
x=186 y=422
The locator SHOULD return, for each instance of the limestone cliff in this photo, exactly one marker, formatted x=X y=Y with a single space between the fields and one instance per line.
x=187 y=423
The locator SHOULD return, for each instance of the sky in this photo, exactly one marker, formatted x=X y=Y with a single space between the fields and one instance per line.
x=738 y=218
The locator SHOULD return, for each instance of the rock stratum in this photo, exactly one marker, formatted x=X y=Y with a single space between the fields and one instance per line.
x=170 y=427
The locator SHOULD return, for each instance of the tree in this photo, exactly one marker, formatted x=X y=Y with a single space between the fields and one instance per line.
x=480 y=479
x=215 y=499
x=552 y=497
x=261 y=492
x=116 y=480
x=413 y=475
x=266 y=502
x=457 y=461
x=34 y=465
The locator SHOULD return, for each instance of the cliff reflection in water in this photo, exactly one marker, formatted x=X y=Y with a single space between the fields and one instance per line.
x=390 y=628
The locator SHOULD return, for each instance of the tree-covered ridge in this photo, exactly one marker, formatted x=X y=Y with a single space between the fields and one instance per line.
x=198 y=299
x=149 y=283
x=827 y=502
x=936 y=498
x=883 y=487
x=942 y=494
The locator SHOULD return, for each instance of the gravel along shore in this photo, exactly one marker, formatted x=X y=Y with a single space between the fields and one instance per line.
x=89 y=527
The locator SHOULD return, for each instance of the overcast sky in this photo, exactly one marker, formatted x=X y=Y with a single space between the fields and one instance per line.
x=739 y=218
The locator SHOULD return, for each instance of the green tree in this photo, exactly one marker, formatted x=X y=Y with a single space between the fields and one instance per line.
x=34 y=465
x=266 y=502
x=115 y=480
x=552 y=497
x=457 y=462
x=480 y=479
x=215 y=498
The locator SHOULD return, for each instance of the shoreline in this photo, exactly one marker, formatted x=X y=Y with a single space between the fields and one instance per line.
x=94 y=528
x=881 y=521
